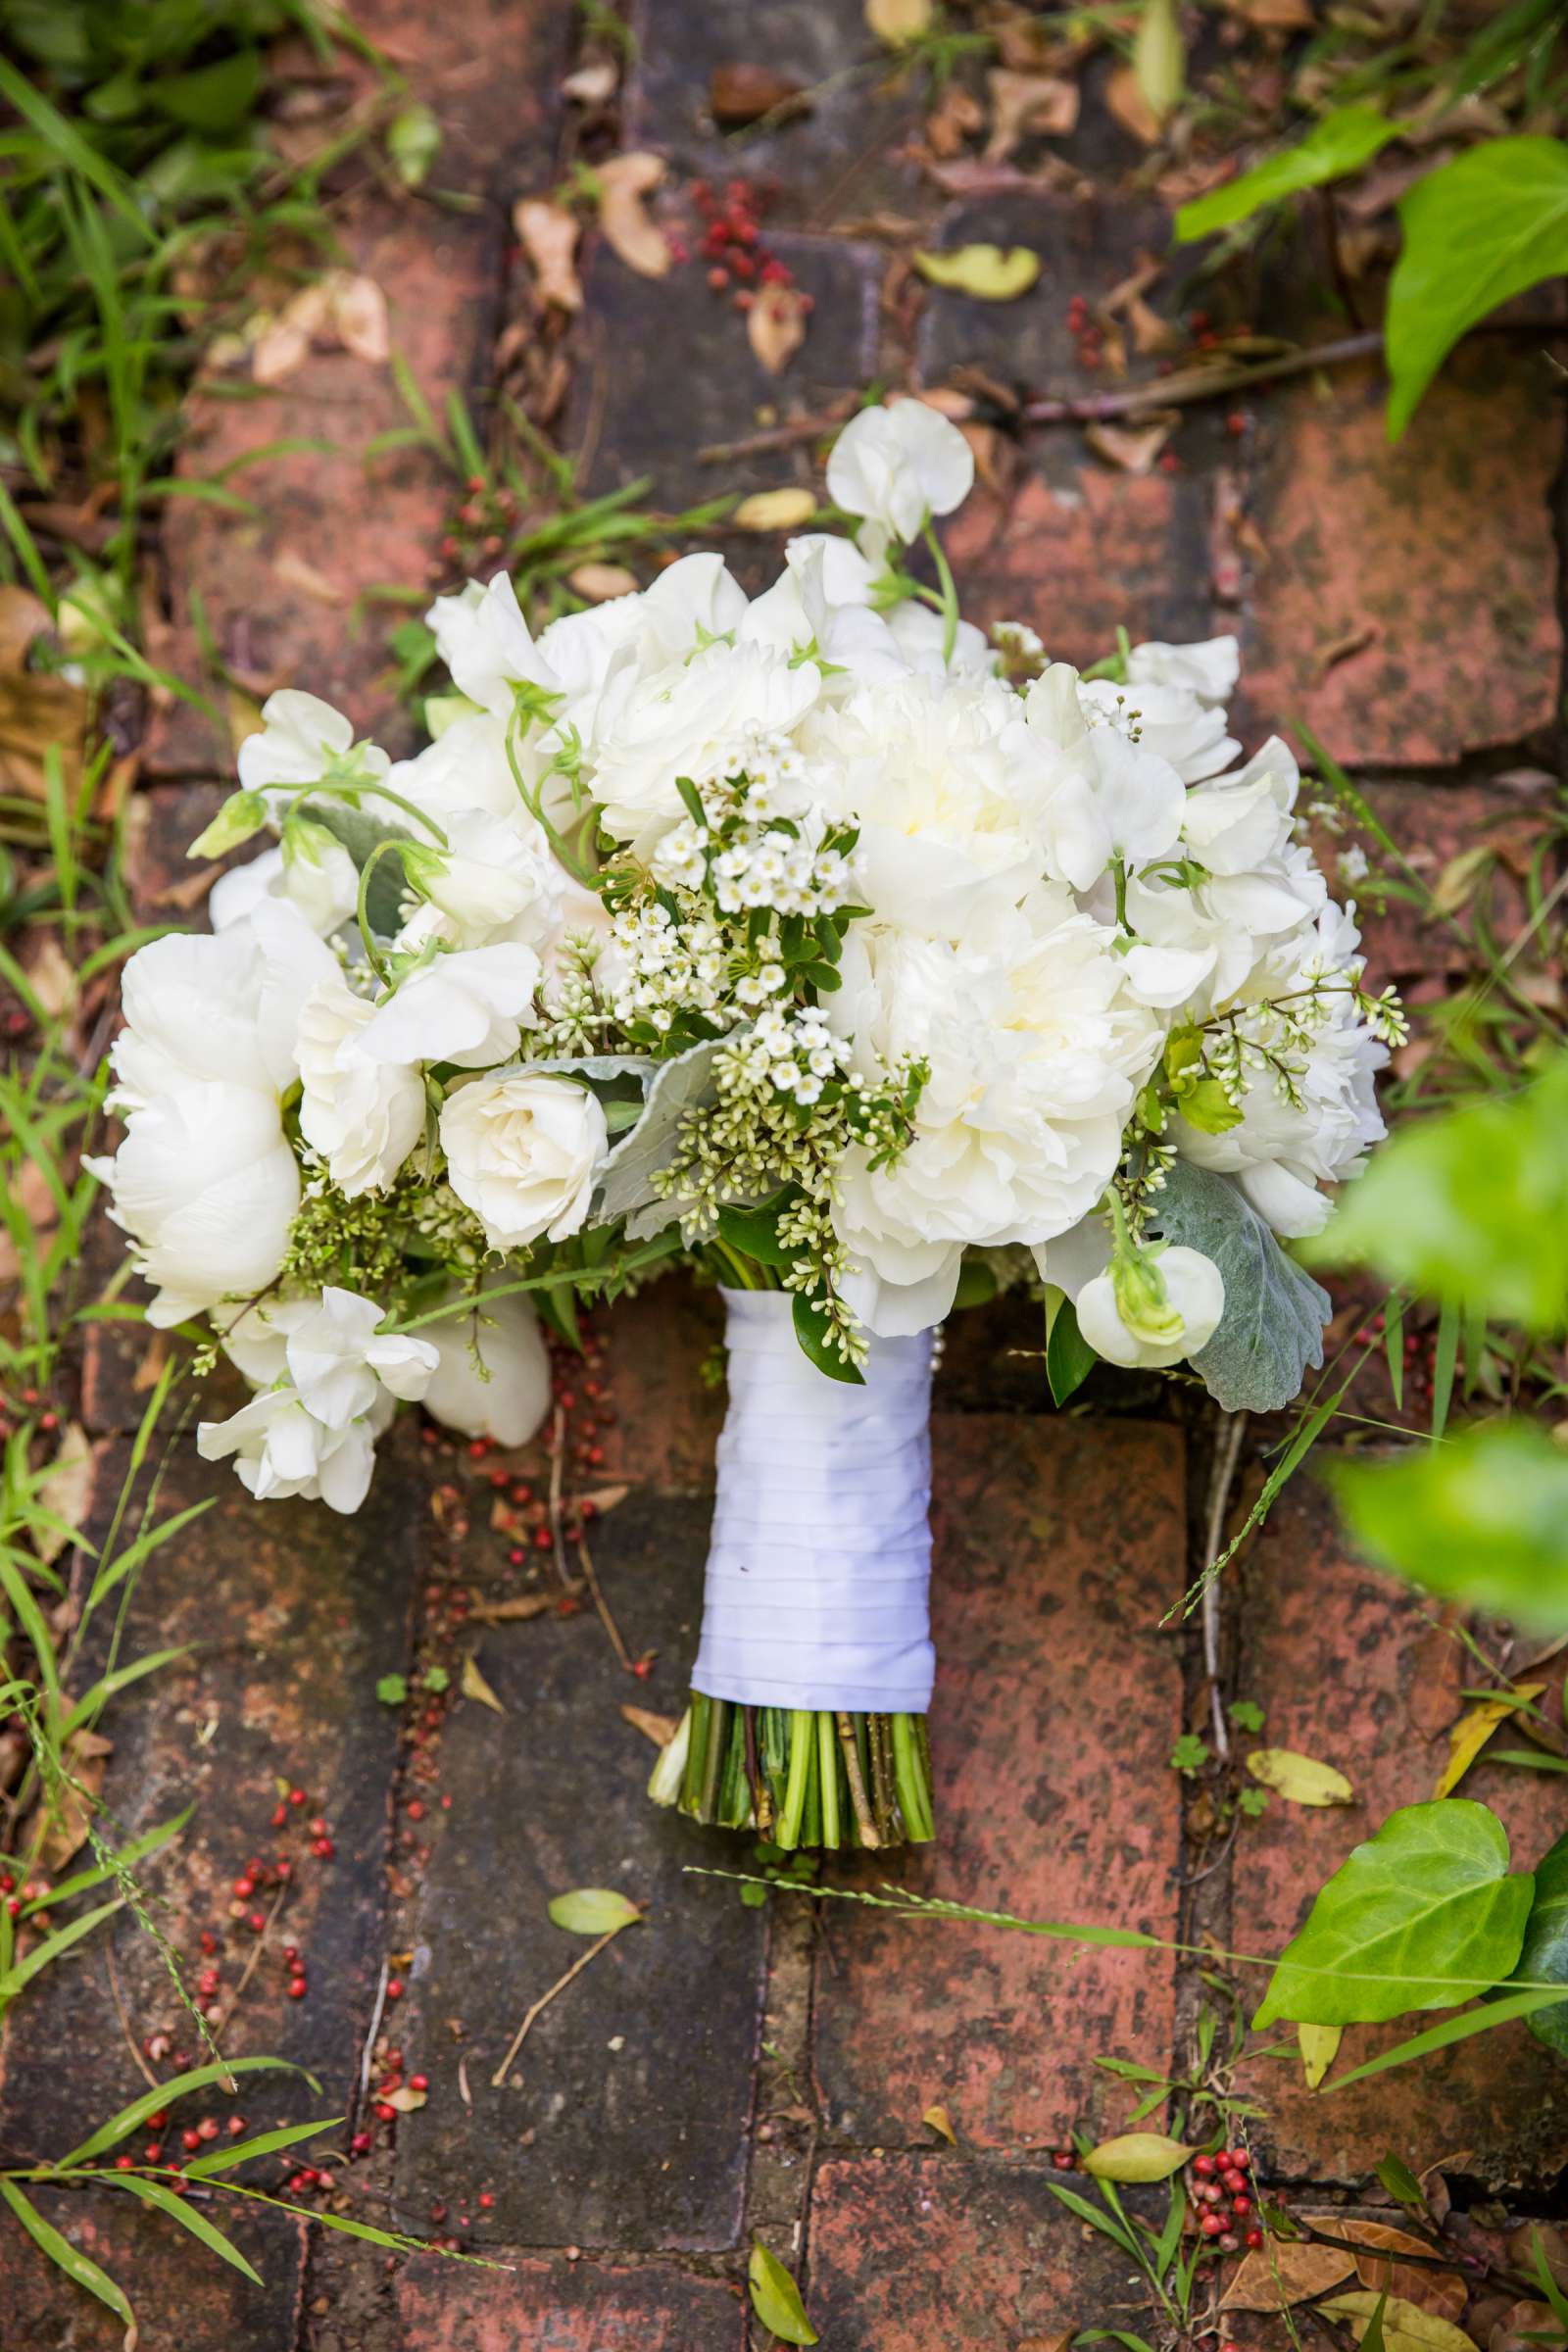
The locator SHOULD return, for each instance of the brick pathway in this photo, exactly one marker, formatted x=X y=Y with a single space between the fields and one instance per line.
x=722 y=2071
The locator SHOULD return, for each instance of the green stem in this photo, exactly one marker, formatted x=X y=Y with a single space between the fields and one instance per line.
x=362 y=904
x=802 y=1750
x=827 y=1758
x=915 y=1795
x=950 y=593
x=352 y=791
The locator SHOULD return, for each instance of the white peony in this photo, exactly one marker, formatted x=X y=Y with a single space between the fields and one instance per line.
x=1195 y=1300
x=521 y=1153
x=470 y=1009
x=696 y=718
x=897 y=467
x=207 y=1185
x=933 y=773
x=492 y=1379
x=1034 y=1055
x=361 y=1114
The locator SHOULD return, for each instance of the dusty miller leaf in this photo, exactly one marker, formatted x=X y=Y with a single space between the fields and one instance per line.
x=625 y=1180
x=1272 y=1327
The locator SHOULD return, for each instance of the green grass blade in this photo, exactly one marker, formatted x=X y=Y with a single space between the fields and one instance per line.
x=224 y=2160
x=199 y=2077
x=77 y=2267
x=153 y=2192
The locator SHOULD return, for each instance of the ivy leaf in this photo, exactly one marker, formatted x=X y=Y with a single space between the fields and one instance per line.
x=776 y=2299
x=1424 y=1916
x=1545 y=1957
x=1481 y=1518
x=1272 y=1327
x=1338 y=144
x=593 y=1911
x=1479 y=230
x=625 y=1178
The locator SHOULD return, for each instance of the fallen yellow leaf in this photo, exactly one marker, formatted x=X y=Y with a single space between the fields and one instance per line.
x=938 y=2119
x=406 y=2100
x=1300 y=1779
x=987 y=273
x=1405 y=2326
x=1319 y=2046
x=473 y=1685
x=601 y=583
x=623 y=183
x=774 y=511
x=659 y=1728
x=898 y=21
x=1475 y=1728
x=1136 y=2156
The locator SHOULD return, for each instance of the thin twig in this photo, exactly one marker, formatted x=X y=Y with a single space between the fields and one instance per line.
x=603 y=1606
x=249 y=1969
x=1226 y=1453
x=545 y=1999
x=154 y=2081
x=558 y=1462
x=369 y=2038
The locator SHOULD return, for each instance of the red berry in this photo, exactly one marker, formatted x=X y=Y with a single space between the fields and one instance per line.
x=388 y=2115
x=486 y=2199
x=124 y=2164
x=207 y=2128
x=419 y=2082
x=361 y=2144
x=297 y=1988
x=236 y=2124
x=1204 y=2167
x=1063 y=2160
x=394 y=1988
x=1237 y=2159
x=1233 y=2181
x=296 y=1796
x=1229 y=2242
x=1252 y=2238
x=718 y=278
x=1242 y=2205
x=1210 y=2225
x=190 y=2137
x=256 y=1921
x=244 y=1887
x=153 y=2151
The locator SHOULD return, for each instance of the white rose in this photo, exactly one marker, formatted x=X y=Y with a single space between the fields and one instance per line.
x=521 y=1153
x=897 y=467
x=206 y=1184
x=1195 y=1293
x=361 y=1114
x=506 y=1394
x=470 y=1009
x=302 y=739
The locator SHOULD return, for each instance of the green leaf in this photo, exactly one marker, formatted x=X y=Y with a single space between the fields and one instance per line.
x=224 y=2160
x=413 y=141
x=1483 y=1518
x=65 y=2256
x=593 y=1911
x=210 y=99
x=1136 y=2156
x=1069 y=1358
x=1401 y=2183
x=1452 y=2028
x=1477 y=231
x=392 y=1689
x=1423 y=1916
x=1545 y=1957
x=1471 y=1208
x=1272 y=1326
x=199 y=2077
x=1338 y=144
x=754 y=1232
x=625 y=1175
x=776 y=2299
x=812 y=1330
x=153 y=2192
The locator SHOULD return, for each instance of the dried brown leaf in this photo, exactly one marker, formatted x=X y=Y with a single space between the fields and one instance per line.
x=957 y=115
x=776 y=326
x=66 y=1491
x=1131 y=108
x=1153 y=337
x=600 y=582
x=548 y=234
x=593 y=85
x=523 y=1606
x=294 y=572
x=625 y=181
x=739 y=93
x=774 y=510
x=1041 y=105
x=358 y=317
x=1444 y=2293
x=51 y=974
x=1284 y=2273
x=937 y=2119
x=601 y=1499
x=1133 y=448
x=1521 y=2328
x=87 y=1760
x=659 y=1728
x=39 y=708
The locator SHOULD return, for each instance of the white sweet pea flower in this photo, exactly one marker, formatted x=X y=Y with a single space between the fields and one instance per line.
x=521 y=1153
x=804 y=611
x=206 y=1185
x=919 y=633
x=1167 y=719
x=470 y=1009
x=302 y=741
x=340 y=1362
x=1127 y=1326
x=1207 y=670
x=485 y=641
x=279 y=1449
x=467 y=768
x=897 y=467
x=363 y=1115
x=493 y=1376
x=1108 y=798
x=496 y=879
x=311 y=870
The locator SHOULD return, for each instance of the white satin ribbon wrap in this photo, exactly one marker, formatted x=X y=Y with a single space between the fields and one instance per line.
x=818 y=1579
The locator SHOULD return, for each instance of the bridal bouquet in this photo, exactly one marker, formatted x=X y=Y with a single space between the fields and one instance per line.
x=859 y=962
